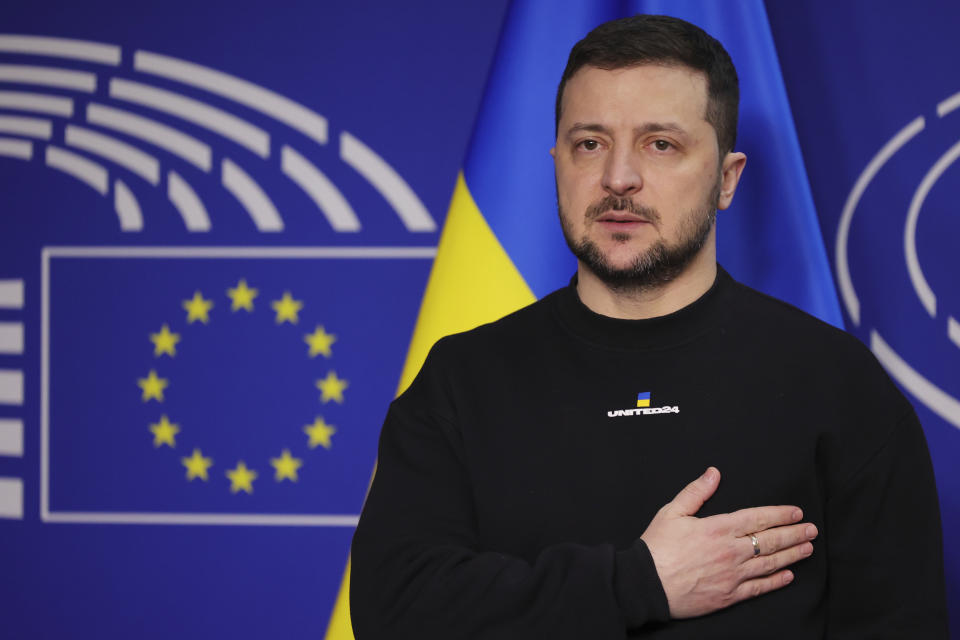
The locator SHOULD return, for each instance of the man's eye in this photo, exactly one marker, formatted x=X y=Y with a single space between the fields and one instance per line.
x=662 y=145
x=589 y=145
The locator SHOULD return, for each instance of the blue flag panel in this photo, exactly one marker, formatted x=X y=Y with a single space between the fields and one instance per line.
x=153 y=151
x=876 y=104
x=167 y=372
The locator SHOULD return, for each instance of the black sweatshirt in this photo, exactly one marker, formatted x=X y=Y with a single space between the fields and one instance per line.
x=517 y=473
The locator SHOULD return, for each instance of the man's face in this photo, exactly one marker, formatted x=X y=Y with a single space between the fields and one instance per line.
x=638 y=174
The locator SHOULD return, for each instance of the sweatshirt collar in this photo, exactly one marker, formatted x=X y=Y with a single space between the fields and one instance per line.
x=683 y=325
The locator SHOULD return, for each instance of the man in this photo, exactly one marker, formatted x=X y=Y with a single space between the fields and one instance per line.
x=522 y=492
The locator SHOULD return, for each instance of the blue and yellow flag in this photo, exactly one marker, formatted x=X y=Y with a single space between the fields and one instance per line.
x=501 y=246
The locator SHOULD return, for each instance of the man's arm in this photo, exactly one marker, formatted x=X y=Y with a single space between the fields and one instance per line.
x=884 y=545
x=418 y=570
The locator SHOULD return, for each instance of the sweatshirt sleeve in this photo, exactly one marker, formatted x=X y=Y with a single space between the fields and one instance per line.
x=884 y=545
x=418 y=570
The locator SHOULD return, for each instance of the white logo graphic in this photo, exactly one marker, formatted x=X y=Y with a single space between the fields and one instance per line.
x=646 y=411
x=938 y=400
x=84 y=136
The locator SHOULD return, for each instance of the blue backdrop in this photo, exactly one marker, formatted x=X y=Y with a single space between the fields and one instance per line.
x=314 y=152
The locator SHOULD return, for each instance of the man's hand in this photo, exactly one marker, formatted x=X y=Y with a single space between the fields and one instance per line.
x=706 y=564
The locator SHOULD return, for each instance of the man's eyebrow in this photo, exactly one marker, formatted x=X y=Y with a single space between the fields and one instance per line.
x=654 y=127
x=647 y=127
x=590 y=127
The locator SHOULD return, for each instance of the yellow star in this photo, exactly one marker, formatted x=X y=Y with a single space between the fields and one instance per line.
x=331 y=388
x=286 y=466
x=198 y=308
x=164 y=432
x=241 y=478
x=152 y=386
x=164 y=342
x=242 y=296
x=197 y=465
x=287 y=308
x=320 y=433
x=320 y=342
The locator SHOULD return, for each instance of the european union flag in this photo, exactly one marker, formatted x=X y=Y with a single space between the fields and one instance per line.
x=209 y=388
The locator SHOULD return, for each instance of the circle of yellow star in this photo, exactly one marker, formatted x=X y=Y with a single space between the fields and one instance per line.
x=287 y=308
x=164 y=342
x=286 y=466
x=197 y=465
x=241 y=296
x=198 y=308
x=241 y=478
x=164 y=432
x=320 y=342
x=320 y=433
x=331 y=388
x=152 y=386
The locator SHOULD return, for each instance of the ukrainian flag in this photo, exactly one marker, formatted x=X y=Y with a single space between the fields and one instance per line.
x=643 y=399
x=501 y=247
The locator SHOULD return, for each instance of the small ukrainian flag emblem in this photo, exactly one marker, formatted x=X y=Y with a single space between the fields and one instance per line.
x=643 y=399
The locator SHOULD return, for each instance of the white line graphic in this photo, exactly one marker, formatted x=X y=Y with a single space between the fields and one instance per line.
x=217 y=120
x=251 y=196
x=61 y=48
x=11 y=294
x=849 y=208
x=127 y=207
x=48 y=77
x=11 y=386
x=185 y=199
x=15 y=148
x=44 y=380
x=125 y=155
x=79 y=167
x=324 y=193
x=176 y=142
x=948 y=105
x=11 y=438
x=953 y=330
x=917 y=279
x=273 y=104
x=38 y=102
x=11 y=338
x=236 y=519
x=31 y=127
x=298 y=253
x=388 y=182
x=931 y=395
x=11 y=498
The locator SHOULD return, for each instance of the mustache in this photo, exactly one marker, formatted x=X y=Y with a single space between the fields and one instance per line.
x=613 y=203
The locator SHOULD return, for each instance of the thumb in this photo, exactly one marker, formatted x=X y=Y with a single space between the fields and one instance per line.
x=692 y=497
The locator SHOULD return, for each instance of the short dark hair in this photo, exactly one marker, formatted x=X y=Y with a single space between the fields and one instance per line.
x=646 y=39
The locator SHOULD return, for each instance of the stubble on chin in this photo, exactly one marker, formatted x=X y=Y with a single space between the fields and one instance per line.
x=655 y=266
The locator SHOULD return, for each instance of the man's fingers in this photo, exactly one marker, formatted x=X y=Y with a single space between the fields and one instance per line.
x=766 y=565
x=692 y=497
x=760 y=586
x=747 y=521
x=773 y=540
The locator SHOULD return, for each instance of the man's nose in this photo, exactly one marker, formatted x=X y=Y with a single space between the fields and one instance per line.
x=621 y=174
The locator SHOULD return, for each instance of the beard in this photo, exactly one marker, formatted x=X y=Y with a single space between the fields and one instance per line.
x=655 y=266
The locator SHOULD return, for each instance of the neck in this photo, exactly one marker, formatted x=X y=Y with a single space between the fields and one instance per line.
x=639 y=304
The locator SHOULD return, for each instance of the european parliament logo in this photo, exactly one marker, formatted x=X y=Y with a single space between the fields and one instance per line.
x=221 y=384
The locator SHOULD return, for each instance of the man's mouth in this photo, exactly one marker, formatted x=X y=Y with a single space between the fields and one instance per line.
x=621 y=217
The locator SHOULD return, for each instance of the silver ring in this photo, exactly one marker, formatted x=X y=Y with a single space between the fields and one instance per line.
x=756 y=544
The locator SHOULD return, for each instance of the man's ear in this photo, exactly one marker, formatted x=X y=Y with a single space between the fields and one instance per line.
x=730 y=171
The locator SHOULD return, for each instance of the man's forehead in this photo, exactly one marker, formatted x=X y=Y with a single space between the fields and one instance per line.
x=674 y=88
